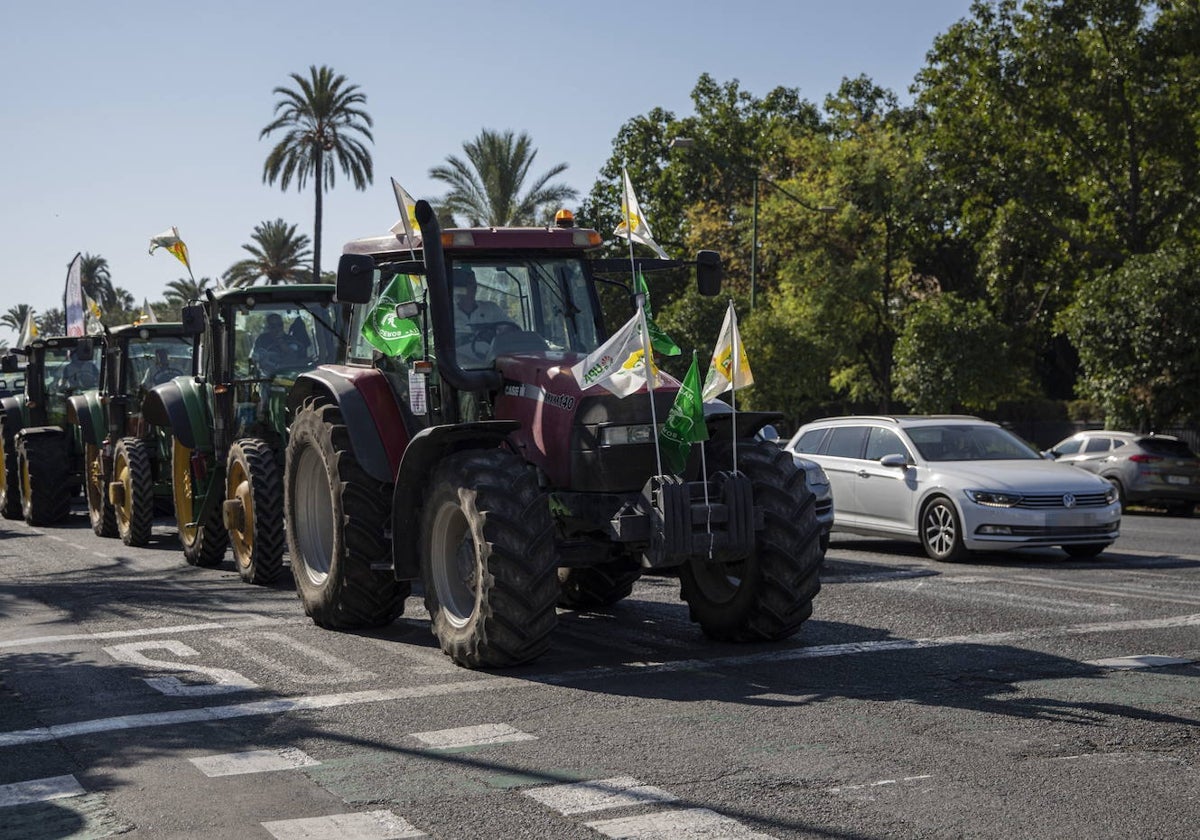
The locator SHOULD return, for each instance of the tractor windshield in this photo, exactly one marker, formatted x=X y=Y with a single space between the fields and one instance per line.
x=521 y=303
x=284 y=337
x=70 y=370
x=156 y=360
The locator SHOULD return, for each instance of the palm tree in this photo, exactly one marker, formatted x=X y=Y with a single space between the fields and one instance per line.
x=485 y=189
x=97 y=280
x=186 y=289
x=279 y=256
x=15 y=317
x=321 y=118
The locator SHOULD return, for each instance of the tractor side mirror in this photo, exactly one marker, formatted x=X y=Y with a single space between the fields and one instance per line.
x=708 y=273
x=193 y=319
x=9 y=364
x=355 y=278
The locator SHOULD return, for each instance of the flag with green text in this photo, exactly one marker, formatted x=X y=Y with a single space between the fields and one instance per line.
x=685 y=422
x=385 y=330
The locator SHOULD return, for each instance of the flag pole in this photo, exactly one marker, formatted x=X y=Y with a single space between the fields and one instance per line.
x=735 y=361
x=647 y=348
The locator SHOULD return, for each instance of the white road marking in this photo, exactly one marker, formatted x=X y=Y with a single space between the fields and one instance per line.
x=37 y=641
x=223 y=680
x=689 y=824
x=39 y=790
x=472 y=736
x=599 y=795
x=881 y=783
x=1125 y=663
x=882 y=577
x=340 y=671
x=78 y=546
x=533 y=681
x=208 y=714
x=1030 y=602
x=369 y=825
x=54 y=537
x=255 y=761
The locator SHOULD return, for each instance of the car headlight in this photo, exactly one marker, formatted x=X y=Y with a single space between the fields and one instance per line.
x=620 y=435
x=993 y=498
x=1111 y=494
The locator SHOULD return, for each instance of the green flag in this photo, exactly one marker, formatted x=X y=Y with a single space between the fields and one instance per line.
x=685 y=423
x=659 y=340
x=387 y=333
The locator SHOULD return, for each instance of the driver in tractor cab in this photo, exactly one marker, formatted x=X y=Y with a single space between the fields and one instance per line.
x=474 y=341
x=80 y=372
x=275 y=348
x=163 y=370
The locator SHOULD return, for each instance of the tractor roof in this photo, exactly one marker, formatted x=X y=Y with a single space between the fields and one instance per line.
x=170 y=329
x=462 y=241
x=283 y=293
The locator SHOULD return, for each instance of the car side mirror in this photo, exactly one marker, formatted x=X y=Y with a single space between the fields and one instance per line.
x=355 y=278
x=894 y=460
x=708 y=273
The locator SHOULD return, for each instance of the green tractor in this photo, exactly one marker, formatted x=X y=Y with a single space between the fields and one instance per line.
x=41 y=453
x=126 y=459
x=229 y=420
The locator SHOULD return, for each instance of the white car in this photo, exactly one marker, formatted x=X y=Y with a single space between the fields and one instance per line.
x=956 y=485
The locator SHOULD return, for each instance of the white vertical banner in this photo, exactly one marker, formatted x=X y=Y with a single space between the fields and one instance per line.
x=73 y=297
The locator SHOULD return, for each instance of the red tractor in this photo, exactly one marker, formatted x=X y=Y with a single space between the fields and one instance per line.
x=467 y=456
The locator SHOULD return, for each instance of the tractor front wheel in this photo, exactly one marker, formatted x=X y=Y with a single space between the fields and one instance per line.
x=487 y=553
x=336 y=525
x=204 y=542
x=254 y=504
x=95 y=483
x=769 y=594
x=133 y=472
x=45 y=478
x=10 y=475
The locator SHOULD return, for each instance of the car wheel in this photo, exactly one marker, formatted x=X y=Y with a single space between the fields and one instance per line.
x=941 y=533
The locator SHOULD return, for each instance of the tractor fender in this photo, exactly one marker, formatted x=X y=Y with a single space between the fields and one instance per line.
x=40 y=431
x=749 y=423
x=182 y=405
x=86 y=412
x=367 y=405
x=412 y=481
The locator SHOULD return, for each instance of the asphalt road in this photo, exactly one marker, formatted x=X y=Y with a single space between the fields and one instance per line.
x=1021 y=695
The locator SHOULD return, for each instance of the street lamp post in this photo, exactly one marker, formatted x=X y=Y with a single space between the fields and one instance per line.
x=824 y=208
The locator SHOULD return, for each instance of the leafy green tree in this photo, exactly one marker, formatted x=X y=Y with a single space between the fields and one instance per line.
x=486 y=188
x=15 y=317
x=52 y=322
x=186 y=289
x=1140 y=352
x=323 y=123
x=278 y=254
x=953 y=355
x=96 y=279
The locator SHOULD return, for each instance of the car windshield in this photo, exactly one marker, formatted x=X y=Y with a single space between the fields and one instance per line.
x=967 y=442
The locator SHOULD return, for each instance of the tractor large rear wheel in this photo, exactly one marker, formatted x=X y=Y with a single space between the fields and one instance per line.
x=769 y=594
x=204 y=542
x=45 y=478
x=487 y=554
x=254 y=498
x=95 y=485
x=336 y=525
x=10 y=475
x=133 y=471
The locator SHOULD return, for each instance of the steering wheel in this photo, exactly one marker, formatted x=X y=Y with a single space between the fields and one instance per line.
x=484 y=333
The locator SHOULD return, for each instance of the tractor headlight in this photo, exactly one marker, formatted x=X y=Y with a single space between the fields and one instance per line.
x=621 y=435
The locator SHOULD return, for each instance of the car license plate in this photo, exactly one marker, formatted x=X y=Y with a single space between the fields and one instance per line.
x=1178 y=479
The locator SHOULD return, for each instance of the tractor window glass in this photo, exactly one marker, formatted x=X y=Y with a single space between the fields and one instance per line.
x=157 y=360
x=285 y=339
x=70 y=370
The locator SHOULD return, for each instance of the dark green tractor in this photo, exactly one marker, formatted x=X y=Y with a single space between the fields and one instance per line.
x=127 y=476
x=41 y=453
x=229 y=420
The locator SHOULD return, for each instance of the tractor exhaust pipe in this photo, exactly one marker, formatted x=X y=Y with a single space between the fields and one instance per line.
x=441 y=312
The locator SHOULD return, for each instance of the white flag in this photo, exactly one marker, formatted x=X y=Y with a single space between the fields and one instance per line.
x=408 y=213
x=148 y=312
x=723 y=374
x=73 y=297
x=618 y=365
x=29 y=331
x=633 y=224
x=92 y=315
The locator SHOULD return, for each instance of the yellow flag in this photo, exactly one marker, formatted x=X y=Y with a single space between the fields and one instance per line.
x=408 y=213
x=170 y=240
x=723 y=373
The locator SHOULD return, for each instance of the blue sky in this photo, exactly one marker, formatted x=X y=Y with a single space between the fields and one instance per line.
x=121 y=119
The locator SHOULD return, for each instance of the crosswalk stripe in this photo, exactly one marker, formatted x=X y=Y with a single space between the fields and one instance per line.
x=254 y=761
x=368 y=825
x=472 y=736
x=688 y=824
x=39 y=790
x=598 y=795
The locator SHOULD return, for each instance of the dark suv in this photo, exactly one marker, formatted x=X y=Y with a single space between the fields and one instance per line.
x=1155 y=470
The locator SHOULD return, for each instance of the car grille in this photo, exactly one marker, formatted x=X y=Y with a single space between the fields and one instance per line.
x=1044 y=501
x=1063 y=532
